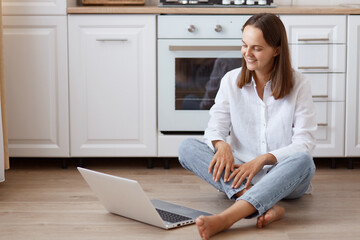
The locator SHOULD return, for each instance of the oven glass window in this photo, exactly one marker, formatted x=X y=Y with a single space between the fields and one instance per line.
x=197 y=81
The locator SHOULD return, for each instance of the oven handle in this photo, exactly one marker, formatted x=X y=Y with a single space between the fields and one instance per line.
x=204 y=48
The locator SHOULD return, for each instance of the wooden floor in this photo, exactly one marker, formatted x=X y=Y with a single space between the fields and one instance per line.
x=39 y=200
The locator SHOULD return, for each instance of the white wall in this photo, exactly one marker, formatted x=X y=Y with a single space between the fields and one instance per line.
x=312 y=2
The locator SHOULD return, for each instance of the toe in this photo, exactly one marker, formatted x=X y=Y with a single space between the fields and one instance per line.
x=260 y=221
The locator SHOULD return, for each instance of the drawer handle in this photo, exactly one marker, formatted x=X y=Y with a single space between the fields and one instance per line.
x=204 y=48
x=313 y=67
x=320 y=96
x=112 y=40
x=322 y=124
x=313 y=39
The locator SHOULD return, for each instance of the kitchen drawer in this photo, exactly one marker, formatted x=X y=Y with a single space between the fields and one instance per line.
x=203 y=26
x=327 y=86
x=319 y=58
x=315 y=29
x=330 y=133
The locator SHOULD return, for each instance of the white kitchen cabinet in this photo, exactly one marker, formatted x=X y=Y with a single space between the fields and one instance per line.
x=34 y=7
x=318 y=50
x=353 y=89
x=35 y=53
x=112 y=61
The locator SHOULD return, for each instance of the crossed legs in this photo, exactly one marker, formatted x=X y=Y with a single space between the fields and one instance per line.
x=290 y=178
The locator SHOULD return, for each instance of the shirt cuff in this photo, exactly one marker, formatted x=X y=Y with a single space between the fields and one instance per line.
x=209 y=140
x=281 y=154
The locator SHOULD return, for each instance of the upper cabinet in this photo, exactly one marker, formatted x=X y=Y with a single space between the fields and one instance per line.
x=34 y=7
x=318 y=50
x=35 y=53
x=112 y=61
x=353 y=89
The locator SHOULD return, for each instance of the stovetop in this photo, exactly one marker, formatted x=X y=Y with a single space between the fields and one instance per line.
x=202 y=5
x=218 y=3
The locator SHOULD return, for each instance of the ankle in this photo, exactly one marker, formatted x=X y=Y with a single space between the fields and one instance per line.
x=226 y=221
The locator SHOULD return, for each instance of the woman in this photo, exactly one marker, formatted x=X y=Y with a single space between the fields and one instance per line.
x=259 y=138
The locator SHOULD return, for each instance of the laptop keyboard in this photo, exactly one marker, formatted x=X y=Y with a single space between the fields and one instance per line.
x=171 y=217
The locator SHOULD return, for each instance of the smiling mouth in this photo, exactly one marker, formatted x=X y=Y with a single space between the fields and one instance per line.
x=250 y=60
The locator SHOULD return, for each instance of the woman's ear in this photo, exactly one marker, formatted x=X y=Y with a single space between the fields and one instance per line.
x=277 y=51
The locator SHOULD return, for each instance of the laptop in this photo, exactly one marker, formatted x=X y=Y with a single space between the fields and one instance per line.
x=126 y=198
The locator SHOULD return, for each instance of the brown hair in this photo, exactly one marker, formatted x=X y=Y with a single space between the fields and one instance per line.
x=275 y=35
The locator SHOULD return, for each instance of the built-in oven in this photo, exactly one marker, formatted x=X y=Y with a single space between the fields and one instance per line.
x=194 y=53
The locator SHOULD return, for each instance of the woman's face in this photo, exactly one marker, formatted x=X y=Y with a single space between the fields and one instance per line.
x=259 y=55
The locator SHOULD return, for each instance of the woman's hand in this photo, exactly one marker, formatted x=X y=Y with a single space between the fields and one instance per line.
x=223 y=160
x=250 y=169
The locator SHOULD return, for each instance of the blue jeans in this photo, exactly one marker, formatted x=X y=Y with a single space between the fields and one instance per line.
x=288 y=179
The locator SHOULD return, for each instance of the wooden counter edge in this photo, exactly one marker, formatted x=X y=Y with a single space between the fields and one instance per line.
x=294 y=10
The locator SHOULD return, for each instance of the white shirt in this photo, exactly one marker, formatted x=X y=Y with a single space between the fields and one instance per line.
x=280 y=127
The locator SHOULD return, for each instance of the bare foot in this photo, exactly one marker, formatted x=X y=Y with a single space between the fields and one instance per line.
x=273 y=214
x=211 y=225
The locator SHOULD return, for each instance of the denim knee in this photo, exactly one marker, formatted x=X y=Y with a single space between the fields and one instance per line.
x=305 y=160
x=305 y=164
x=186 y=147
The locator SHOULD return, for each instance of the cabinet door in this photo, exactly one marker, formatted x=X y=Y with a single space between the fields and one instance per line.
x=34 y=7
x=35 y=53
x=112 y=85
x=318 y=50
x=330 y=133
x=353 y=88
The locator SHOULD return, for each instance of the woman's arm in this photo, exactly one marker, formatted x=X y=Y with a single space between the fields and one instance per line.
x=219 y=123
x=217 y=131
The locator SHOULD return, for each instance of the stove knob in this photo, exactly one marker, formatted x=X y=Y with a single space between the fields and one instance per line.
x=218 y=28
x=191 y=28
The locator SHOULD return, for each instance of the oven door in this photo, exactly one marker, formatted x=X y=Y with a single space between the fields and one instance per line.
x=189 y=74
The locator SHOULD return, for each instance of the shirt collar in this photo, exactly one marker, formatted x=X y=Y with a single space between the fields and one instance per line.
x=253 y=83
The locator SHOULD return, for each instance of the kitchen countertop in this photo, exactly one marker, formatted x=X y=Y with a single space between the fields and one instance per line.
x=320 y=10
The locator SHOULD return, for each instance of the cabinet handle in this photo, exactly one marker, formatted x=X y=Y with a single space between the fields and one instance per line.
x=320 y=96
x=313 y=67
x=322 y=124
x=313 y=39
x=112 y=40
x=204 y=48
